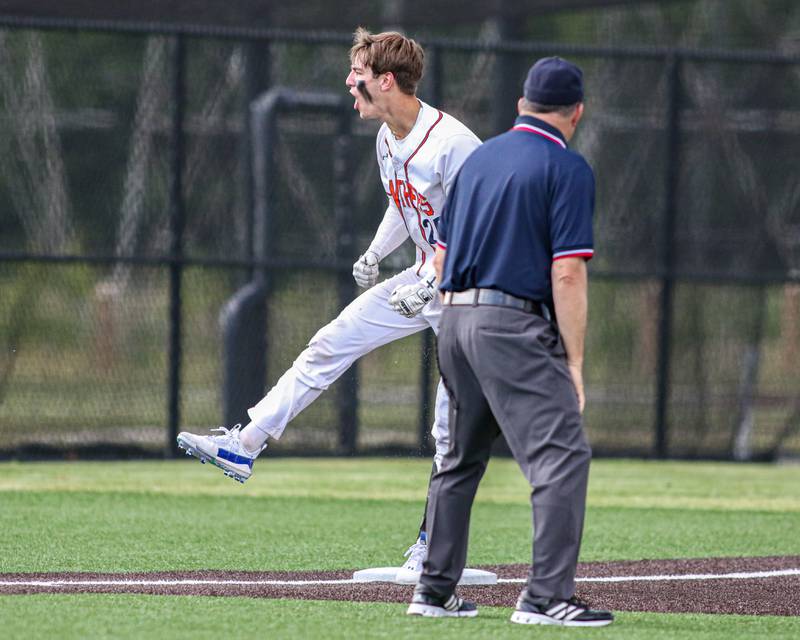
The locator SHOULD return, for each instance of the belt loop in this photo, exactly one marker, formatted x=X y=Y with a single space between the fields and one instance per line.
x=475 y=300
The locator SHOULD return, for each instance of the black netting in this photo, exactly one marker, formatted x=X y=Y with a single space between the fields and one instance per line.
x=87 y=156
x=85 y=362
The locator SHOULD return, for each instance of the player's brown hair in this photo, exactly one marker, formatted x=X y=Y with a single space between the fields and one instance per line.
x=390 y=51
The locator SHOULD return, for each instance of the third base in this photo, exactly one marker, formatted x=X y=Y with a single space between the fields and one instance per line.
x=404 y=576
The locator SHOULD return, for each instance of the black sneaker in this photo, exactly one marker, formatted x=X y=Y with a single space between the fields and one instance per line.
x=567 y=613
x=423 y=604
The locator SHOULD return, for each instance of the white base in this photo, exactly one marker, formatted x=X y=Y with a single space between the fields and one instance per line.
x=404 y=576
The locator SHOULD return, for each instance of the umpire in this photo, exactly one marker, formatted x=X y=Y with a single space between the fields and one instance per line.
x=514 y=239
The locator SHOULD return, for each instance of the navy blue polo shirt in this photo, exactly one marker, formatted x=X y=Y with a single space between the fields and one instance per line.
x=520 y=201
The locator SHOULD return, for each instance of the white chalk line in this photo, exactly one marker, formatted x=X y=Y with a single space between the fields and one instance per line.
x=292 y=583
x=170 y=583
x=698 y=576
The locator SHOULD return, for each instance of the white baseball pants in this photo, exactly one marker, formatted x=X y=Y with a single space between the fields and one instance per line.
x=365 y=324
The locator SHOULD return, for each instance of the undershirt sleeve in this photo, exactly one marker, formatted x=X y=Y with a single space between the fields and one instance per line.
x=391 y=233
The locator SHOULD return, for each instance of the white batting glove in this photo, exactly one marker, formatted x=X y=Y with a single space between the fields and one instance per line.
x=409 y=299
x=365 y=270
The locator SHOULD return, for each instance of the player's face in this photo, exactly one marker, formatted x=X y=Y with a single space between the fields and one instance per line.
x=364 y=98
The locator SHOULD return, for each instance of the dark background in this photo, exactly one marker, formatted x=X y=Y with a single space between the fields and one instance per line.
x=127 y=216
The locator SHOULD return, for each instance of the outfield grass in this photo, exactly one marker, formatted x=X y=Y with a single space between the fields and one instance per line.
x=329 y=514
x=132 y=616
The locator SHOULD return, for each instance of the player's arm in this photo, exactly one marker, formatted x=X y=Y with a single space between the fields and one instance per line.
x=410 y=299
x=392 y=230
x=570 y=296
x=390 y=234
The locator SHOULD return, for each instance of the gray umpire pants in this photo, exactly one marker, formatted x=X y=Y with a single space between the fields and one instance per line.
x=505 y=370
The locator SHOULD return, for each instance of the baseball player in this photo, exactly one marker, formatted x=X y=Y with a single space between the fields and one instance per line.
x=419 y=150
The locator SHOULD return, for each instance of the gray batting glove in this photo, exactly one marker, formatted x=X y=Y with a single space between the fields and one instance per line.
x=409 y=299
x=365 y=270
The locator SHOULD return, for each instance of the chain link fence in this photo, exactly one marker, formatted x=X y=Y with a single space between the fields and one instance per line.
x=126 y=225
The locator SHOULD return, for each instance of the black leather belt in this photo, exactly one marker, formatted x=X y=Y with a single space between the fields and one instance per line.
x=492 y=297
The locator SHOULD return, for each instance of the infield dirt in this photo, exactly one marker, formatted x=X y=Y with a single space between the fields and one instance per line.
x=766 y=595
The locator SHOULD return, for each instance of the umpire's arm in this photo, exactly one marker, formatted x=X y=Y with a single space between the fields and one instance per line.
x=570 y=295
x=438 y=263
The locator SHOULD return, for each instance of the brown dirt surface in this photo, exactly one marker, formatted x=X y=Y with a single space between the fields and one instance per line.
x=765 y=595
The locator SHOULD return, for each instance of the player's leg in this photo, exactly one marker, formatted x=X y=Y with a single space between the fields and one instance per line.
x=365 y=324
x=417 y=552
x=415 y=555
x=439 y=430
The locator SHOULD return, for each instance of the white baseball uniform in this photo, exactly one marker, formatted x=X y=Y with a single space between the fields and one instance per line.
x=417 y=172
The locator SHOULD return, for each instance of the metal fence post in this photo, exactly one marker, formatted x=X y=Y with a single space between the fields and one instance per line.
x=667 y=262
x=256 y=81
x=506 y=85
x=177 y=223
x=347 y=393
x=431 y=88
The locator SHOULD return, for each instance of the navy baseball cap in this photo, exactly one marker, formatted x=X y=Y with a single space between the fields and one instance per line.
x=554 y=81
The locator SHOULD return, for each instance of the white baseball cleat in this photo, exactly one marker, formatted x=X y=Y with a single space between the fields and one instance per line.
x=224 y=451
x=412 y=568
x=416 y=554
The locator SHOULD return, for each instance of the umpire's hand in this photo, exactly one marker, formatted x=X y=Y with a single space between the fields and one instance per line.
x=575 y=370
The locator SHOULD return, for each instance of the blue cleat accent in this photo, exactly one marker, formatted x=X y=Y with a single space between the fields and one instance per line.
x=224 y=451
x=235 y=459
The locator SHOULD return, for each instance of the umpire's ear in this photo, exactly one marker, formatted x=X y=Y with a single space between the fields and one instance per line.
x=520 y=104
x=577 y=115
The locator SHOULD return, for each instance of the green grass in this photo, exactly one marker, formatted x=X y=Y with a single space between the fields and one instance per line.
x=613 y=483
x=130 y=616
x=106 y=616
x=330 y=513
x=161 y=532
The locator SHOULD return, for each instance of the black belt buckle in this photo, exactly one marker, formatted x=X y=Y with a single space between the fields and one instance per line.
x=529 y=306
